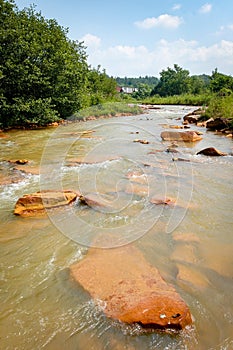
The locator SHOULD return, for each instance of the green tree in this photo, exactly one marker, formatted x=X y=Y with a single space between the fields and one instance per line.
x=144 y=91
x=100 y=86
x=43 y=73
x=172 y=82
x=219 y=81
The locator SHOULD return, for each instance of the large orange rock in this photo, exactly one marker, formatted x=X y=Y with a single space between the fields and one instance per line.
x=185 y=136
x=36 y=203
x=130 y=289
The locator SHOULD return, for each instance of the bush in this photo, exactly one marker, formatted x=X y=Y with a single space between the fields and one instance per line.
x=220 y=107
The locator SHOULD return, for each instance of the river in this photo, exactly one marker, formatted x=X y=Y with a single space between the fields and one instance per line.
x=191 y=244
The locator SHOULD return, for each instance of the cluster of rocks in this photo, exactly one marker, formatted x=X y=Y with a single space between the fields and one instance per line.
x=130 y=290
x=198 y=118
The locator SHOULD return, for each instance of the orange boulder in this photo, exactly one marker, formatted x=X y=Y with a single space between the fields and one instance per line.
x=37 y=203
x=185 y=136
x=130 y=289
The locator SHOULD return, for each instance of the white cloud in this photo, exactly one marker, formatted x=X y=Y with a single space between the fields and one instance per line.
x=91 y=41
x=134 y=61
x=206 y=8
x=165 y=20
x=176 y=7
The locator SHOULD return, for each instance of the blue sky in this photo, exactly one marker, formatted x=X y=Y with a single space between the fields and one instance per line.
x=142 y=37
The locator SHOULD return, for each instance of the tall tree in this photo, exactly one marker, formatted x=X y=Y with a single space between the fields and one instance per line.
x=221 y=83
x=43 y=73
x=172 y=82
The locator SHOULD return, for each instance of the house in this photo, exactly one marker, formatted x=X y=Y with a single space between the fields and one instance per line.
x=126 y=89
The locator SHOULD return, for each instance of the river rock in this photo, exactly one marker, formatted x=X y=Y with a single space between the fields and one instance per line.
x=211 y=151
x=185 y=136
x=144 y=142
x=217 y=124
x=18 y=161
x=137 y=189
x=93 y=200
x=37 y=203
x=163 y=201
x=88 y=160
x=28 y=169
x=190 y=119
x=130 y=289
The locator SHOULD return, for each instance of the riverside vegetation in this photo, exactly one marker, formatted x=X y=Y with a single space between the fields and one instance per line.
x=45 y=77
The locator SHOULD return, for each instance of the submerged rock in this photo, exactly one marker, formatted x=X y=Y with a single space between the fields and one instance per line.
x=185 y=136
x=88 y=160
x=28 y=169
x=211 y=151
x=130 y=289
x=163 y=201
x=93 y=200
x=37 y=203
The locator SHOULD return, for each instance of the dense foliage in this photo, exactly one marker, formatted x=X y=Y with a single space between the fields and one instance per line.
x=44 y=75
x=177 y=81
x=135 y=82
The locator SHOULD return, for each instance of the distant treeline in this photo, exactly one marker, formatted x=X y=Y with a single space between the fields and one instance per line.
x=135 y=82
x=177 y=81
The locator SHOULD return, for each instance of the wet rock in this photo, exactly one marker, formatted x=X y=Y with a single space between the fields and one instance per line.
x=93 y=200
x=211 y=151
x=197 y=112
x=190 y=119
x=154 y=151
x=217 y=124
x=185 y=136
x=178 y=159
x=163 y=201
x=167 y=126
x=130 y=289
x=144 y=142
x=37 y=203
x=19 y=161
x=28 y=169
x=172 y=150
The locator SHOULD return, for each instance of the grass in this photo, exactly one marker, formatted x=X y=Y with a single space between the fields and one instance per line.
x=108 y=109
x=186 y=99
x=221 y=107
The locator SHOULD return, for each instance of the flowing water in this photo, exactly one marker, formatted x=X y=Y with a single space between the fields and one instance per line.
x=191 y=244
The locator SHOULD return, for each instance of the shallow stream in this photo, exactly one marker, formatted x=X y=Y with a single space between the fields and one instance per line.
x=191 y=244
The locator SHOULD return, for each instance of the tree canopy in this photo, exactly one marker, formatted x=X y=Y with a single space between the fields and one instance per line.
x=172 y=82
x=43 y=74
